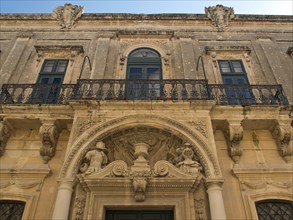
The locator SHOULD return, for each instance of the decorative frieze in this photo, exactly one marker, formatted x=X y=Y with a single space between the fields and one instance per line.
x=199 y=125
x=49 y=133
x=67 y=15
x=4 y=135
x=234 y=134
x=282 y=135
x=220 y=16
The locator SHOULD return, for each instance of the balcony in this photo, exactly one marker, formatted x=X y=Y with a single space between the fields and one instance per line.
x=122 y=90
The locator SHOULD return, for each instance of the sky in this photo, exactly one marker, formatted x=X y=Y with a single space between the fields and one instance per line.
x=267 y=7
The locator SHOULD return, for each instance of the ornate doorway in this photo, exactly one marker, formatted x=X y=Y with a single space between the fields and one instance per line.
x=139 y=215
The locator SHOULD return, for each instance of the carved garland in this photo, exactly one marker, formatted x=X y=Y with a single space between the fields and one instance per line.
x=103 y=126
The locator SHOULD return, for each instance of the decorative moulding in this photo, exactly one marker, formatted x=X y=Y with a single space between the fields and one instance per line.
x=220 y=16
x=74 y=50
x=67 y=15
x=245 y=49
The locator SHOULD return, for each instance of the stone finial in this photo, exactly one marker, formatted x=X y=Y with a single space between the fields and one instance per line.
x=67 y=15
x=4 y=135
x=234 y=135
x=220 y=16
x=282 y=135
x=49 y=133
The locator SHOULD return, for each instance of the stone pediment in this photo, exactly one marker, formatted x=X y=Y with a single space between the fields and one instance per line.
x=139 y=177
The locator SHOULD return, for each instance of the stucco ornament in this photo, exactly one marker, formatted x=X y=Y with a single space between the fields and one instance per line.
x=67 y=15
x=97 y=159
x=220 y=16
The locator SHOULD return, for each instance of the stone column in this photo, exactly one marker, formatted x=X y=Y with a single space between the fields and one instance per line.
x=63 y=199
x=214 y=190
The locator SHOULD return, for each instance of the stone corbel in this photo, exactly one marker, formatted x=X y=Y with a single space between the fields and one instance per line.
x=290 y=52
x=282 y=135
x=234 y=134
x=139 y=182
x=4 y=135
x=214 y=58
x=247 y=59
x=49 y=132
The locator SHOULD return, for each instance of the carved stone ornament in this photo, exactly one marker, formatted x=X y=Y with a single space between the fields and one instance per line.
x=49 y=133
x=234 y=134
x=139 y=175
x=290 y=52
x=282 y=136
x=220 y=16
x=4 y=135
x=67 y=15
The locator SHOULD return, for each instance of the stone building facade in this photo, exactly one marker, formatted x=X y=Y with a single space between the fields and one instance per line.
x=162 y=116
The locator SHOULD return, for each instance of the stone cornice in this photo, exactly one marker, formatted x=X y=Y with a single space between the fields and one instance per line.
x=120 y=16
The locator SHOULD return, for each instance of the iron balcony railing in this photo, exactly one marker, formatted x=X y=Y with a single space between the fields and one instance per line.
x=179 y=89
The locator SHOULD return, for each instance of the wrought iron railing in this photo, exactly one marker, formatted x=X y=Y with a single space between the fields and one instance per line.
x=36 y=93
x=237 y=94
x=179 y=89
x=141 y=90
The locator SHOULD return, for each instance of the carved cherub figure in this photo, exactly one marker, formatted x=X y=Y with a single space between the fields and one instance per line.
x=97 y=158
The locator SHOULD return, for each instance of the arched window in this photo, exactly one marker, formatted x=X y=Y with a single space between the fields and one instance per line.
x=144 y=68
x=11 y=209
x=274 y=209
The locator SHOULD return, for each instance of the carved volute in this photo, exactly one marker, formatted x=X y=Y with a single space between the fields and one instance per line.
x=138 y=157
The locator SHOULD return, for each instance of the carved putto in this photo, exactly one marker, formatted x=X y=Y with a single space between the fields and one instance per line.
x=97 y=159
x=220 y=16
x=67 y=15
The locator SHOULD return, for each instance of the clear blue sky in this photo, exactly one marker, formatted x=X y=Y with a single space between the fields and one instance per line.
x=273 y=7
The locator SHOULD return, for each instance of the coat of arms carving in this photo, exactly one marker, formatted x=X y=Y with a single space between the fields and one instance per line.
x=67 y=15
x=220 y=16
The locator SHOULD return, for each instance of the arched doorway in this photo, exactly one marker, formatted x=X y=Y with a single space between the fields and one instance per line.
x=154 y=176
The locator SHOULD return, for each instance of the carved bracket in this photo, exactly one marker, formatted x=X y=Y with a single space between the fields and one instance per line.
x=234 y=135
x=282 y=135
x=220 y=16
x=4 y=135
x=49 y=132
x=139 y=182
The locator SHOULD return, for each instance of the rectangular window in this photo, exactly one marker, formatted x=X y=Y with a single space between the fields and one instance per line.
x=237 y=90
x=49 y=82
